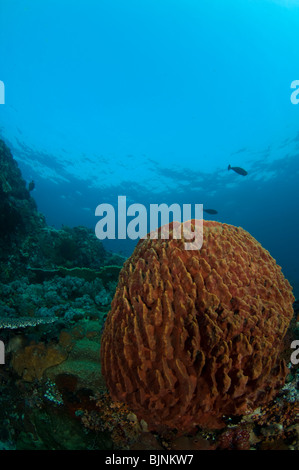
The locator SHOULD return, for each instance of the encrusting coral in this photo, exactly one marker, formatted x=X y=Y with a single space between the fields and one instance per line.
x=196 y=335
x=33 y=360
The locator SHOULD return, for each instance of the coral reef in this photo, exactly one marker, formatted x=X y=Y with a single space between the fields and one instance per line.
x=114 y=417
x=26 y=241
x=18 y=214
x=33 y=360
x=56 y=288
x=81 y=345
x=193 y=336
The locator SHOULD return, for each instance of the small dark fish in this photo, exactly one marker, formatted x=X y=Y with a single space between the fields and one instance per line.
x=31 y=186
x=238 y=170
x=210 y=211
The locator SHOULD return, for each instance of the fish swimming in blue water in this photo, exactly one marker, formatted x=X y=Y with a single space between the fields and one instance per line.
x=238 y=170
x=31 y=186
x=210 y=211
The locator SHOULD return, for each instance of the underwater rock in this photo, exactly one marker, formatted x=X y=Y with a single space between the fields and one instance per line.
x=195 y=335
x=67 y=247
x=45 y=430
x=19 y=217
x=26 y=241
x=17 y=208
x=105 y=273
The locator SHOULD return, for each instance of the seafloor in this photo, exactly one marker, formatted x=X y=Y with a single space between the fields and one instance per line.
x=56 y=287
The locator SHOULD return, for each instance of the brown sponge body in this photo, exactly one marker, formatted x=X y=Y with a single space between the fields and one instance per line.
x=195 y=335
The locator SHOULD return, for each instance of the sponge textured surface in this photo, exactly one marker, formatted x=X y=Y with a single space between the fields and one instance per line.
x=195 y=335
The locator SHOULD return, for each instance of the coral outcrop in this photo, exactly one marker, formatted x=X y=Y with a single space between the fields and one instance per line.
x=193 y=336
x=29 y=245
x=18 y=212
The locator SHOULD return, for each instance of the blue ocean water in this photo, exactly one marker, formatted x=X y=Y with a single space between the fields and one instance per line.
x=153 y=100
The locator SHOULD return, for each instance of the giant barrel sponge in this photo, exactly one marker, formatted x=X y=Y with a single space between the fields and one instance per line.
x=193 y=336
